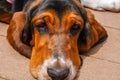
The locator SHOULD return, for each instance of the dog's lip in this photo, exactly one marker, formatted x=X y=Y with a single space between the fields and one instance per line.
x=34 y=73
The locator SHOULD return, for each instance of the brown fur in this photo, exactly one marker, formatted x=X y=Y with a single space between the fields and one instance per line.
x=14 y=34
x=58 y=42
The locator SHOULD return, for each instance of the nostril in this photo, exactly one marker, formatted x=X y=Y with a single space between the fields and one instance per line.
x=52 y=73
x=64 y=73
x=58 y=74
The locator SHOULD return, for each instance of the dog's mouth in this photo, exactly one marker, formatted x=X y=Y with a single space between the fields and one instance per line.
x=54 y=69
x=55 y=57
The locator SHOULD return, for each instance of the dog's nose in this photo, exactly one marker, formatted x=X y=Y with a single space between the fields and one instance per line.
x=58 y=74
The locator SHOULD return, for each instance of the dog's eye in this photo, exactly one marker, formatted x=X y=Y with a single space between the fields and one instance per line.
x=74 y=29
x=42 y=28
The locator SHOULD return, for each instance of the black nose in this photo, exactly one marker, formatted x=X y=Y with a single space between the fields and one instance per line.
x=58 y=74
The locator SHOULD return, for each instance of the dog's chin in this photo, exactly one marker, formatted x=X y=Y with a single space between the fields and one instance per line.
x=43 y=75
x=48 y=78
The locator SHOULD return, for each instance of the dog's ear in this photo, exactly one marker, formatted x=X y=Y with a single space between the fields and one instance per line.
x=15 y=34
x=86 y=36
x=98 y=31
x=91 y=34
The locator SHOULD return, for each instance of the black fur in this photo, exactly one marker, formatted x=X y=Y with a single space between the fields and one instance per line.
x=18 y=5
x=60 y=6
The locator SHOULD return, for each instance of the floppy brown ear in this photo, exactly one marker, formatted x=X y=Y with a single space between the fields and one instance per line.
x=98 y=31
x=91 y=34
x=15 y=34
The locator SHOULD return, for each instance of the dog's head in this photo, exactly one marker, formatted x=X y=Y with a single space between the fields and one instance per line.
x=55 y=26
x=53 y=29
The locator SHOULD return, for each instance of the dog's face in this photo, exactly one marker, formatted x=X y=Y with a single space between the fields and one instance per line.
x=56 y=30
x=56 y=26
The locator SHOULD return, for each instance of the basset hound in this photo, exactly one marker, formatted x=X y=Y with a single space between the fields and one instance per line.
x=53 y=34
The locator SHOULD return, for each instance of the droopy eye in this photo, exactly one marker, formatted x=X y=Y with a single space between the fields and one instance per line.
x=74 y=29
x=42 y=28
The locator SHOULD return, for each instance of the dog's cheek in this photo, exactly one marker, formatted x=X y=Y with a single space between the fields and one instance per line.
x=37 y=59
x=40 y=52
x=72 y=53
x=34 y=62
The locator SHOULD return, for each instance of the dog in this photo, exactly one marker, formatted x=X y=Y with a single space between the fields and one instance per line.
x=53 y=34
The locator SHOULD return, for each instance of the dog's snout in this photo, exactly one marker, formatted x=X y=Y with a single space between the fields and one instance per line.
x=58 y=74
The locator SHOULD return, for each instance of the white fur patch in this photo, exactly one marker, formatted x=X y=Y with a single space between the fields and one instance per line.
x=102 y=4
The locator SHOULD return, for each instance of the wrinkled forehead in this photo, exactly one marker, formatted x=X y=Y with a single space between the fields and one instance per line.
x=59 y=6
